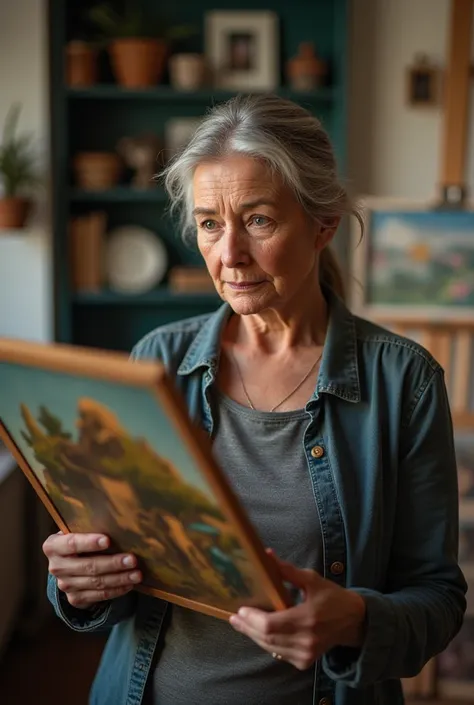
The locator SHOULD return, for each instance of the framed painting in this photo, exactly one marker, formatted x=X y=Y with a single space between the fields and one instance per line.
x=108 y=446
x=243 y=49
x=413 y=260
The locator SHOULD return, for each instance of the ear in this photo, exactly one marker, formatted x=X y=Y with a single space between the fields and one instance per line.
x=327 y=230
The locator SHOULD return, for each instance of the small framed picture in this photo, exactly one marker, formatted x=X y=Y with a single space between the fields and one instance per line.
x=423 y=83
x=178 y=133
x=413 y=261
x=243 y=49
x=109 y=447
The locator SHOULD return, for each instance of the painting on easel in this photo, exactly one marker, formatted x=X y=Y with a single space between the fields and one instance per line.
x=414 y=260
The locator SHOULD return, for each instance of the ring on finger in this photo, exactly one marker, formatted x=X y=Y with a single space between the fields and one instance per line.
x=276 y=656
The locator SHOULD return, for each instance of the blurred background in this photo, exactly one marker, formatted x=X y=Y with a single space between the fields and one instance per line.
x=95 y=97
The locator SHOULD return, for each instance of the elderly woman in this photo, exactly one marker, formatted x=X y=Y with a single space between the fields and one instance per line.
x=335 y=433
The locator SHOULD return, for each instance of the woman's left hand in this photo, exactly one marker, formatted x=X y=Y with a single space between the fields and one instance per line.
x=329 y=616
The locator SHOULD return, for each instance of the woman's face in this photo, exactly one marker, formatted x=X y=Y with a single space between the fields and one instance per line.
x=259 y=245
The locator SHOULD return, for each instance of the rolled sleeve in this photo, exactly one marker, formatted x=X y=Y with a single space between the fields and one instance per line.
x=100 y=618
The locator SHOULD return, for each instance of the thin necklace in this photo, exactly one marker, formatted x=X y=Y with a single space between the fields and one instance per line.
x=293 y=391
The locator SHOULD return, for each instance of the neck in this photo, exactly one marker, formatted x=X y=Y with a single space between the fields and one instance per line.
x=301 y=323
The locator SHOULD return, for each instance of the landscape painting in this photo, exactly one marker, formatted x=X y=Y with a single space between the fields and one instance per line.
x=112 y=461
x=418 y=260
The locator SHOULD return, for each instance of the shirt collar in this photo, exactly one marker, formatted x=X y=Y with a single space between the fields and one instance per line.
x=339 y=373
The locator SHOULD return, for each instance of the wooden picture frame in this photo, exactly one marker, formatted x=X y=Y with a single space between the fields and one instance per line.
x=423 y=83
x=413 y=261
x=242 y=49
x=108 y=446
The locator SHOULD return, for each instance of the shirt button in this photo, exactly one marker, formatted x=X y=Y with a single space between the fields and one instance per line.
x=317 y=452
x=337 y=568
x=325 y=701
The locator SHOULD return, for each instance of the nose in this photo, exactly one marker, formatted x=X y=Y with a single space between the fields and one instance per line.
x=234 y=247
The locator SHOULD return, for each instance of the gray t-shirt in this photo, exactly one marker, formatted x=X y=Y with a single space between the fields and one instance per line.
x=202 y=660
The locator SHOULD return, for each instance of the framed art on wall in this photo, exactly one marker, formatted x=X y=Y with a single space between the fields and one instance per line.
x=413 y=260
x=243 y=49
x=108 y=446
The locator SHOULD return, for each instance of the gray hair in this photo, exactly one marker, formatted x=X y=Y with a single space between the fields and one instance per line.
x=289 y=139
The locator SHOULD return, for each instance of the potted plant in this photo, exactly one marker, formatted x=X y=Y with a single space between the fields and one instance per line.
x=137 y=44
x=17 y=172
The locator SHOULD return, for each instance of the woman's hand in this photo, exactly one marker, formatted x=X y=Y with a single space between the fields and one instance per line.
x=88 y=579
x=329 y=616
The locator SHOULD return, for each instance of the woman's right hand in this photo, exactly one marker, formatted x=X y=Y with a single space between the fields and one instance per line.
x=89 y=579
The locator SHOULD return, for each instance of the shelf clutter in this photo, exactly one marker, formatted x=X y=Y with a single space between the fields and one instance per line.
x=127 y=94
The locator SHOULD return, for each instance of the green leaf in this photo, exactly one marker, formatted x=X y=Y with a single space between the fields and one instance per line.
x=17 y=160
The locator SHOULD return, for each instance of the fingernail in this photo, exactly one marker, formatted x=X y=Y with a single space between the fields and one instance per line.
x=234 y=620
x=103 y=542
x=128 y=561
x=243 y=612
x=135 y=577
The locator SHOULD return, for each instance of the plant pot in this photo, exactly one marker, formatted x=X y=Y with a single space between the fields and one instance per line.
x=96 y=171
x=13 y=212
x=187 y=71
x=138 y=63
x=81 y=64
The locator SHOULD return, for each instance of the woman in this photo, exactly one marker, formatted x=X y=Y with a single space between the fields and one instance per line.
x=335 y=433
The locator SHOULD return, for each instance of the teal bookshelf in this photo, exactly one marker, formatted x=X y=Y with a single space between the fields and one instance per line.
x=96 y=117
x=168 y=95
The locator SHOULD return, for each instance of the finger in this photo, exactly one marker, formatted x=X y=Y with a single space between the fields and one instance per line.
x=301 y=652
x=91 y=566
x=99 y=582
x=86 y=598
x=271 y=642
x=287 y=621
x=300 y=577
x=73 y=544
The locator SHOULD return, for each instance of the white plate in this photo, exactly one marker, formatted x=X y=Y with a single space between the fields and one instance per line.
x=136 y=259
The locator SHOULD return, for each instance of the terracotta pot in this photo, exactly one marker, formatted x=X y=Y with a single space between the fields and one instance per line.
x=97 y=170
x=13 y=212
x=138 y=63
x=187 y=71
x=81 y=64
x=305 y=71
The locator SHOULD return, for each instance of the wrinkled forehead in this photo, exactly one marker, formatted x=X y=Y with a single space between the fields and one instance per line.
x=236 y=178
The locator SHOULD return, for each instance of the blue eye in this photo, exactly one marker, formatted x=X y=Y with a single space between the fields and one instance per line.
x=260 y=221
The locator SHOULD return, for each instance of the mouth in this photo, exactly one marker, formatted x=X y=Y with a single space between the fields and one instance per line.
x=243 y=286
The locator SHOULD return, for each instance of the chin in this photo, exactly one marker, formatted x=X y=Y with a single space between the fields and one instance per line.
x=246 y=304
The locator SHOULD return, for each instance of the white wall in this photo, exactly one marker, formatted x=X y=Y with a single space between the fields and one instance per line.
x=25 y=257
x=395 y=149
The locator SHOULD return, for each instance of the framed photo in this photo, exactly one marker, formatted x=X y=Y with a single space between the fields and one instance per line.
x=178 y=132
x=108 y=446
x=413 y=261
x=243 y=49
x=423 y=83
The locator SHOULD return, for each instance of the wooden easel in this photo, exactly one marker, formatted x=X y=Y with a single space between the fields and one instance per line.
x=453 y=195
x=456 y=106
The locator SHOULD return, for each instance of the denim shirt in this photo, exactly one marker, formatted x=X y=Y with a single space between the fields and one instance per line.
x=386 y=492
